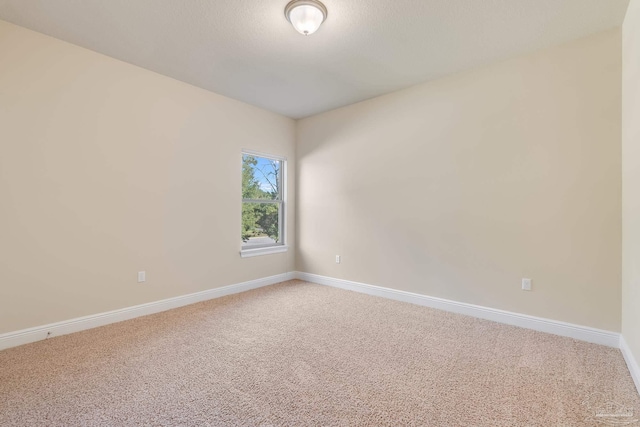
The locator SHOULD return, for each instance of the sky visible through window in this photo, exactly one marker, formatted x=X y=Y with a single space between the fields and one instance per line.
x=265 y=172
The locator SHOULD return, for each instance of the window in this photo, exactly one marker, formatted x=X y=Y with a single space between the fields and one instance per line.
x=263 y=204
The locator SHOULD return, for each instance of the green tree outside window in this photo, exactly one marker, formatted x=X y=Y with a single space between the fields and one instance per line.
x=262 y=201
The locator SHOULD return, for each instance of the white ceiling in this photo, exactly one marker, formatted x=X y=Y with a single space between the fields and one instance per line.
x=246 y=49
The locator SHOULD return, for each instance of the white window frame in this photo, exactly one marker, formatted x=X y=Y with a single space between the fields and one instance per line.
x=281 y=246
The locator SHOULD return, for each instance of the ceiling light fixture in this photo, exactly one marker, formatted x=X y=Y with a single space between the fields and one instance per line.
x=306 y=16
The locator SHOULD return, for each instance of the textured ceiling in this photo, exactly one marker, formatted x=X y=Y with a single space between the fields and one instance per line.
x=246 y=49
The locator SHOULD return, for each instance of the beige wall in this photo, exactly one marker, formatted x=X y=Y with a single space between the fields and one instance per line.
x=631 y=178
x=107 y=169
x=457 y=188
x=460 y=187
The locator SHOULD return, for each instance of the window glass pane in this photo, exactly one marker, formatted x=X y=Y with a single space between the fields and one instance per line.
x=260 y=224
x=261 y=178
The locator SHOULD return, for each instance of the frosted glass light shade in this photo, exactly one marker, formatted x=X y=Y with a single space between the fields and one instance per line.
x=306 y=16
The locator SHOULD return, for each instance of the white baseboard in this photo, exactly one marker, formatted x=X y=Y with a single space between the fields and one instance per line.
x=583 y=333
x=25 y=336
x=632 y=364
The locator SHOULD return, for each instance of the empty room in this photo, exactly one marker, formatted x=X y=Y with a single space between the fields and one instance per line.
x=320 y=213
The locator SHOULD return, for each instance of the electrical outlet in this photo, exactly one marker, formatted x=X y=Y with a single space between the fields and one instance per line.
x=337 y=259
x=142 y=276
x=526 y=284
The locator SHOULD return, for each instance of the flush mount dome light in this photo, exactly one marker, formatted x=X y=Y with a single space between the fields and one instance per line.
x=306 y=16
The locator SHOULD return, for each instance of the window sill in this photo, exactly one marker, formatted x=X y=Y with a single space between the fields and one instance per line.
x=246 y=253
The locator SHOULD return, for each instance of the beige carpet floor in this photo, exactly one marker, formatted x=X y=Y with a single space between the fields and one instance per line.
x=299 y=354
